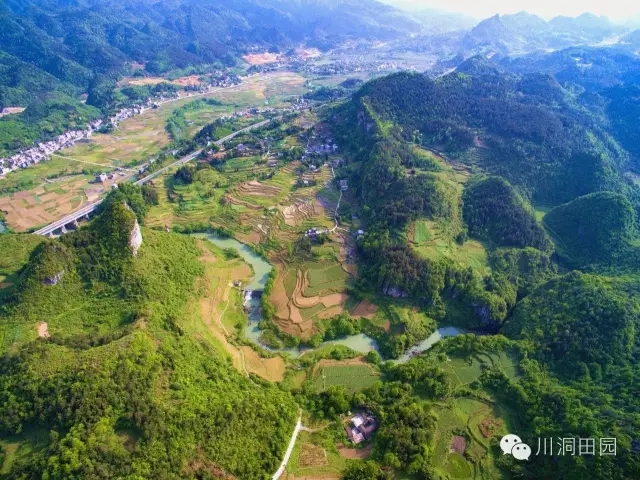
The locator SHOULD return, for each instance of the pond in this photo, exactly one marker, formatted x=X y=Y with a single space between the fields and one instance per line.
x=3 y=228
x=360 y=343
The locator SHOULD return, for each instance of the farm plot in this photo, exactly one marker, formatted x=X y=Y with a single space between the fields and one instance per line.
x=50 y=201
x=433 y=241
x=354 y=377
x=316 y=457
x=326 y=279
x=470 y=457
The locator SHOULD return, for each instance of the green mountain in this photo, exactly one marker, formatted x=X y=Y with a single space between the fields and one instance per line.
x=126 y=386
x=496 y=141
x=526 y=128
x=579 y=321
x=493 y=211
x=595 y=228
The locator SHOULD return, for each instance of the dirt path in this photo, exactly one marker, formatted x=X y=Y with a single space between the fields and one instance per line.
x=287 y=454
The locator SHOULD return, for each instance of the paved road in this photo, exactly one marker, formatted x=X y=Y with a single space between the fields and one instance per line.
x=292 y=443
x=89 y=208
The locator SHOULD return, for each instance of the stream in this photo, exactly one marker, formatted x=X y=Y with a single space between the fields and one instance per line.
x=360 y=343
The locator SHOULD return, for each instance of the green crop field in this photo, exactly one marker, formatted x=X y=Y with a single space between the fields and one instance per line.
x=323 y=281
x=436 y=242
x=353 y=377
x=421 y=234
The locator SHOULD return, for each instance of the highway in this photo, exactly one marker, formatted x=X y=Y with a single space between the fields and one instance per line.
x=90 y=208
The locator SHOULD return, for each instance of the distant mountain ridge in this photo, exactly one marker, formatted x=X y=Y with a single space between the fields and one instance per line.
x=522 y=32
x=71 y=39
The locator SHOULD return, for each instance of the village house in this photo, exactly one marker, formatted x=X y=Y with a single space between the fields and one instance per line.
x=343 y=185
x=361 y=427
x=101 y=178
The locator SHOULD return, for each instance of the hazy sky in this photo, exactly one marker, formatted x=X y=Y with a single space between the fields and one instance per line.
x=618 y=10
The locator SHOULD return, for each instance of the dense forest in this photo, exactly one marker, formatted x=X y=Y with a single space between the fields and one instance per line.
x=494 y=212
x=595 y=229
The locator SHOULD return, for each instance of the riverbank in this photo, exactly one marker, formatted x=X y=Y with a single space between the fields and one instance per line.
x=360 y=343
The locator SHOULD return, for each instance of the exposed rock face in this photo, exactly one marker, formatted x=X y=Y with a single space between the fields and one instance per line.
x=135 y=239
x=394 y=292
x=54 y=279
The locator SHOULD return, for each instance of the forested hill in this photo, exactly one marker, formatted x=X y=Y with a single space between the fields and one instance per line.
x=525 y=128
x=127 y=385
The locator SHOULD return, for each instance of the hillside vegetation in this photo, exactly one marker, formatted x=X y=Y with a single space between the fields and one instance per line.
x=138 y=389
x=530 y=132
x=494 y=212
x=595 y=229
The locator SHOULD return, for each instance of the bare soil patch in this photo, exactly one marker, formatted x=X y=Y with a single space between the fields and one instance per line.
x=260 y=58
x=297 y=213
x=11 y=111
x=43 y=330
x=458 y=444
x=308 y=52
x=327 y=362
x=331 y=312
x=365 y=309
x=186 y=81
x=256 y=188
x=145 y=81
x=267 y=368
x=355 y=453
x=489 y=426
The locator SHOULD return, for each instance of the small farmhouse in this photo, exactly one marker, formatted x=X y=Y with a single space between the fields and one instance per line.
x=361 y=427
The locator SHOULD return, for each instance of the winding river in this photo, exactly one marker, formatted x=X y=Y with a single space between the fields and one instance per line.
x=261 y=268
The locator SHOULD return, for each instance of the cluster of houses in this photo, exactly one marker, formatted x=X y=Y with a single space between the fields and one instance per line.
x=343 y=67
x=322 y=148
x=43 y=150
x=103 y=177
x=361 y=427
x=300 y=104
